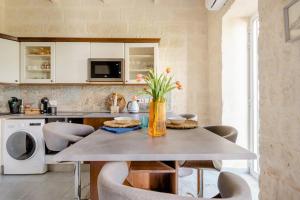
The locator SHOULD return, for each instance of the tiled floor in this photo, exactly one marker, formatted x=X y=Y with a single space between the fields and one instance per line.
x=59 y=186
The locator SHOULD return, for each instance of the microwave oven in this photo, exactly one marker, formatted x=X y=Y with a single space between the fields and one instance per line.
x=105 y=70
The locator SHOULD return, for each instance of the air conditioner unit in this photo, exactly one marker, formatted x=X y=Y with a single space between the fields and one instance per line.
x=215 y=4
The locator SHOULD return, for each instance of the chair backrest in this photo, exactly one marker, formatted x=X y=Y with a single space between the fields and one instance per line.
x=113 y=174
x=228 y=132
x=58 y=135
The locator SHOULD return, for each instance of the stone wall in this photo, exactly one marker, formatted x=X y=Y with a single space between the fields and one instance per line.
x=1 y=16
x=215 y=63
x=279 y=69
x=181 y=25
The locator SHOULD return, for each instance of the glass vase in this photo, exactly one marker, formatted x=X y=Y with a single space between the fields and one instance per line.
x=157 y=118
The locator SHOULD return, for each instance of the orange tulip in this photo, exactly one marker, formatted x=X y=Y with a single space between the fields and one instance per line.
x=168 y=70
x=139 y=77
x=178 y=85
x=134 y=98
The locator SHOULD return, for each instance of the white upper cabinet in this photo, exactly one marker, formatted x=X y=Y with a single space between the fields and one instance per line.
x=107 y=50
x=37 y=62
x=140 y=58
x=72 y=61
x=9 y=61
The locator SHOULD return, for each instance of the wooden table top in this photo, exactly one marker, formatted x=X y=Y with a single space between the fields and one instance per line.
x=192 y=144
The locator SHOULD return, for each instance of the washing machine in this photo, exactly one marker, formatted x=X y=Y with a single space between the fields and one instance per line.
x=23 y=147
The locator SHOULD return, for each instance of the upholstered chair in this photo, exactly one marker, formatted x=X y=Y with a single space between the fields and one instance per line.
x=113 y=174
x=226 y=132
x=58 y=135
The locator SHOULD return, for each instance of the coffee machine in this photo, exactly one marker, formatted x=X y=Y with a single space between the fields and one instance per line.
x=44 y=105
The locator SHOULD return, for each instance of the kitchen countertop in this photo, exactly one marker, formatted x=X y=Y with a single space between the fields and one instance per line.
x=76 y=115
x=192 y=144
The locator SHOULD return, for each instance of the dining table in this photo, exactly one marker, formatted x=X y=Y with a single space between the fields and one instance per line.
x=153 y=160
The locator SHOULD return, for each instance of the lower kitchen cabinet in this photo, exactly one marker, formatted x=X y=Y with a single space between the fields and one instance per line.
x=71 y=62
x=9 y=61
x=95 y=122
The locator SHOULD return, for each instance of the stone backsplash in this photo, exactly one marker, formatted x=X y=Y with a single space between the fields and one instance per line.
x=69 y=98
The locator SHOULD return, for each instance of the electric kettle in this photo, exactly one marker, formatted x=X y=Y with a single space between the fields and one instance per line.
x=133 y=106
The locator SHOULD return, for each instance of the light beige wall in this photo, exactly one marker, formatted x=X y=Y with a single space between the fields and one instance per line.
x=279 y=69
x=215 y=63
x=1 y=16
x=181 y=25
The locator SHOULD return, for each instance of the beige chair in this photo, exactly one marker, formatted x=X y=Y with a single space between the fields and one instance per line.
x=226 y=132
x=59 y=135
x=113 y=174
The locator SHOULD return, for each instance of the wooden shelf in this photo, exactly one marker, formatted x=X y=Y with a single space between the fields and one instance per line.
x=76 y=39
x=141 y=56
x=39 y=70
x=36 y=55
x=151 y=167
x=65 y=39
x=8 y=37
x=140 y=70
x=83 y=84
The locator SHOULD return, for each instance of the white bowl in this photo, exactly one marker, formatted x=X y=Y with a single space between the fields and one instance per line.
x=176 y=120
x=188 y=116
x=123 y=118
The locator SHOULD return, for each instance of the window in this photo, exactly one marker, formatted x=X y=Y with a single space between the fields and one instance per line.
x=254 y=95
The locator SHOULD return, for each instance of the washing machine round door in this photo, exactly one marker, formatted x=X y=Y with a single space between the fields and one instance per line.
x=20 y=145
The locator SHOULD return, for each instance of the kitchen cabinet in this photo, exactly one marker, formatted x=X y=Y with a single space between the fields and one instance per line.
x=71 y=62
x=140 y=58
x=107 y=50
x=9 y=61
x=37 y=62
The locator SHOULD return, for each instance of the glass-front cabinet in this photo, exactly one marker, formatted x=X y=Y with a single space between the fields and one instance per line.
x=140 y=58
x=37 y=62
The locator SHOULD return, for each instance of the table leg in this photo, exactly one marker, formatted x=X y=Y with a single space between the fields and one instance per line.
x=77 y=181
x=200 y=181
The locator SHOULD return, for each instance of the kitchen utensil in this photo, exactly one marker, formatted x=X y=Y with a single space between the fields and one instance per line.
x=133 y=106
x=22 y=108
x=188 y=124
x=121 y=102
x=14 y=105
x=44 y=105
x=144 y=121
x=52 y=110
x=32 y=111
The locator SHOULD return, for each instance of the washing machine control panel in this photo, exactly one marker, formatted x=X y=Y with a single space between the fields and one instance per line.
x=35 y=124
